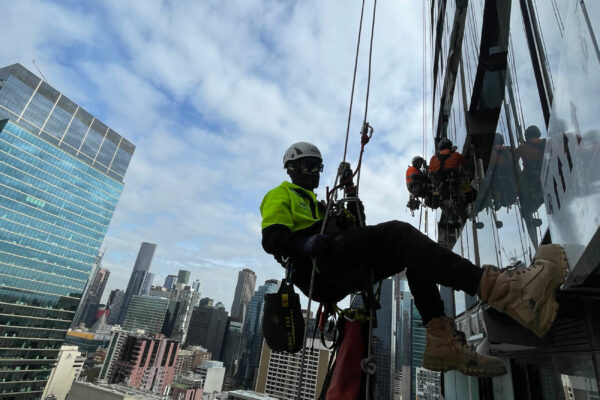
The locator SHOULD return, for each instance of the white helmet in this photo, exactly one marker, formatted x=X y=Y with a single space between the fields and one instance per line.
x=301 y=150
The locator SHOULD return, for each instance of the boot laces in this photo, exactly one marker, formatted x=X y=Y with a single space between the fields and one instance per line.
x=462 y=338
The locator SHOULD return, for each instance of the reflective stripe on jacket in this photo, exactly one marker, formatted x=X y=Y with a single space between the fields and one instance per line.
x=291 y=206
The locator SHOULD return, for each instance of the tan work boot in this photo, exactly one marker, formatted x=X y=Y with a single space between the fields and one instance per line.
x=528 y=295
x=446 y=349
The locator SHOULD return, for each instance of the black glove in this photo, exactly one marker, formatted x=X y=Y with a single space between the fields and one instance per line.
x=317 y=245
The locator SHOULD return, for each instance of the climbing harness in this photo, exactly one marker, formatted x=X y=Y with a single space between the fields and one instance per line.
x=366 y=134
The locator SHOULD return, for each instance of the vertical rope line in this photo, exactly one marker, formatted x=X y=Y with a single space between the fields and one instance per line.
x=362 y=10
x=370 y=57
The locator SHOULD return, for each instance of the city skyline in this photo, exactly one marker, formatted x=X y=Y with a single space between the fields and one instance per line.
x=218 y=153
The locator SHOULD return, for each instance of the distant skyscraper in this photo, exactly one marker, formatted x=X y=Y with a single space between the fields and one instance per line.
x=207 y=328
x=114 y=303
x=170 y=282
x=183 y=277
x=145 y=312
x=147 y=284
x=61 y=177
x=231 y=346
x=182 y=302
x=197 y=288
x=86 y=312
x=243 y=293
x=139 y=276
x=278 y=372
x=252 y=335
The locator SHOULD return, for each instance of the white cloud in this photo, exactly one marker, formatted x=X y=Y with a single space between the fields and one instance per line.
x=212 y=93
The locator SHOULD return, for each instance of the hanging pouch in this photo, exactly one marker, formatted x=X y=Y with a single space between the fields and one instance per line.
x=283 y=325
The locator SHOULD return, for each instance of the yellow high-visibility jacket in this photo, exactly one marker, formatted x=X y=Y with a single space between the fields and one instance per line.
x=290 y=214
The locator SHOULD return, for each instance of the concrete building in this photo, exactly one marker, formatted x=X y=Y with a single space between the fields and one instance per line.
x=67 y=369
x=112 y=356
x=190 y=358
x=213 y=374
x=90 y=391
x=278 y=372
x=145 y=313
x=243 y=293
x=207 y=328
x=146 y=363
x=187 y=387
x=138 y=281
x=247 y=395
x=61 y=178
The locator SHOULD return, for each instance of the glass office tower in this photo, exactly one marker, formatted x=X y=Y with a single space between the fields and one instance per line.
x=515 y=87
x=61 y=175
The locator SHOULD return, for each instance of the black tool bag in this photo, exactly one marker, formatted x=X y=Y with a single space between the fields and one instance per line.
x=283 y=325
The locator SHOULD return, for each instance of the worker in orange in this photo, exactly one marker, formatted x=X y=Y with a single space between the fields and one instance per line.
x=446 y=158
x=416 y=178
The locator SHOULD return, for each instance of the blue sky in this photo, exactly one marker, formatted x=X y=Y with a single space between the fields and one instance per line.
x=212 y=93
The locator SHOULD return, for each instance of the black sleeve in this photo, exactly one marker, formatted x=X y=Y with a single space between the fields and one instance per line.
x=279 y=241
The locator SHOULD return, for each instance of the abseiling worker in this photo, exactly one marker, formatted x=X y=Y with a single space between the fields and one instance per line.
x=416 y=179
x=291 y=225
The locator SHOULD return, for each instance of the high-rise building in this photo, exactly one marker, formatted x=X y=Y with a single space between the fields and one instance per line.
x=170 y=282
x=147 y=284
x=207 y=328
x=86 y=312
x=252 y=335
x=231 y=346
x=213 y=373
x=146 y=363
x=243 y=293
x=146 y=313
x=138 y=282
x=278 y=372
x=515 y=85
x=61 y=175
x=190 y=358
x=384 y=342
x=114 y=303
x=181 y=305
x=197 y=287
x=67 y=369
x=183 y=277
x=112 y=355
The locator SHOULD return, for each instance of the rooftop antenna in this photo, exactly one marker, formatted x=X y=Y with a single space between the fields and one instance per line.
x=38 y=68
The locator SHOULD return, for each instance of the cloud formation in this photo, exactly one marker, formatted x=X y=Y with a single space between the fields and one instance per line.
x=212 y=93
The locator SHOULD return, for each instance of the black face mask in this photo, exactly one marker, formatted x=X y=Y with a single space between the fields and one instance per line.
x=305 y=172
x=306 y=180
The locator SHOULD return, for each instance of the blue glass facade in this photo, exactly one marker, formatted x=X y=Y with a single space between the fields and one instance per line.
x=55 y=208
x=521 y=104
x=252 y=335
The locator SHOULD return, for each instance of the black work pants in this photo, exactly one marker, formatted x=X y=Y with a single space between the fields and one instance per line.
x=389 y=248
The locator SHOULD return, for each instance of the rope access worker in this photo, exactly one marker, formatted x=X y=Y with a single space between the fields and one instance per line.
x=446 y=170
x=291 y=225
x=416 y=178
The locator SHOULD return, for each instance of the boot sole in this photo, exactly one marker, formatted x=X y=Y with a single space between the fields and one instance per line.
x=547 y=307
x=472 y=371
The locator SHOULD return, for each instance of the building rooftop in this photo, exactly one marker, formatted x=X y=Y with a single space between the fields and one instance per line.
x=248 y=395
